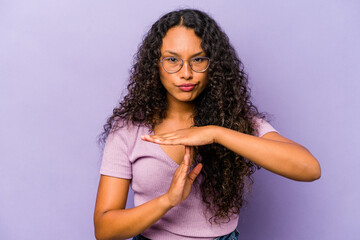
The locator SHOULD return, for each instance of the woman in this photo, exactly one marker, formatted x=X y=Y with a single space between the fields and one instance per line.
x=187 y=138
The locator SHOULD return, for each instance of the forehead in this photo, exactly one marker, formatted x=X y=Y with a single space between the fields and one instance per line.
x=181 y=40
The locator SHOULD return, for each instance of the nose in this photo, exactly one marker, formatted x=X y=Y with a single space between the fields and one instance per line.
x=186 y=71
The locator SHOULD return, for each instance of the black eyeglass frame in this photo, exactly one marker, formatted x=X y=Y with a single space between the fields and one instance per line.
x=182 y=64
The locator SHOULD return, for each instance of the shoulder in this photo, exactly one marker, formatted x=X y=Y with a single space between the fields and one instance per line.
x=126 y=132
x=123 y=126
x=262 y=127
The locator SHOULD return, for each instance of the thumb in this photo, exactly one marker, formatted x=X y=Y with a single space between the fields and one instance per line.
x=195 y=172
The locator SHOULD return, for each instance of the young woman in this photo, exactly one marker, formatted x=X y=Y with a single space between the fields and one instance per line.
x=187 y=138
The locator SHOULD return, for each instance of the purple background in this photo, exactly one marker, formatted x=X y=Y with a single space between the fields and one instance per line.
x=64 y=64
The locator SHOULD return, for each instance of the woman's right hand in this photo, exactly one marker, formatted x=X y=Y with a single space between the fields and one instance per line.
x=113 y=221
x=182 y=181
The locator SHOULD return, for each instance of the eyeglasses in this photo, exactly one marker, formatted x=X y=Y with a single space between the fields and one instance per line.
x=174 y=64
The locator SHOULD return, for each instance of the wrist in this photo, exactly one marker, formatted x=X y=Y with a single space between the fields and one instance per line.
x=215 y=133
x=165 y=202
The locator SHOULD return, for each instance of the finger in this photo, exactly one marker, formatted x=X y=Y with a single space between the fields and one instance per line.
x=167 y=135
x=161 y=140
x=195 y=172
x=179 y=170
x=153 y=139
x=187 y=155
x=185 y=162
x=148 y=138
x=166 y=141
x=192 y=153
x=167 y=138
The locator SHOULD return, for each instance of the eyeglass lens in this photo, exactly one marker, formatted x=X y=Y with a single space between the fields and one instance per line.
x=173 y=64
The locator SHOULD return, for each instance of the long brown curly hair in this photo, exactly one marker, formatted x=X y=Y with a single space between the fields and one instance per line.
x=224 y=102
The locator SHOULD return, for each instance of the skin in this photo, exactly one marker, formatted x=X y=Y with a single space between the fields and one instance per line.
x=183 y=43
x=272 y=151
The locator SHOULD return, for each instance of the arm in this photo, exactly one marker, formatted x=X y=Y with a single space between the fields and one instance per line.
x=272 y=151
x=113 y=221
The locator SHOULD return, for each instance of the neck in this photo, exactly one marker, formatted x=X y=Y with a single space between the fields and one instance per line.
x=182 y=111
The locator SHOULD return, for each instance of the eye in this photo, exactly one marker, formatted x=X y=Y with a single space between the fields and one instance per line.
x=198 y=60
x=172 y=59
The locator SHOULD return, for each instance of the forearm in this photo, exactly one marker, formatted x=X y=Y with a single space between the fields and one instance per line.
x=126 y=223
x=287 y=159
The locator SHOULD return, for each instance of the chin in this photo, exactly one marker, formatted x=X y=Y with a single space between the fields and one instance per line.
x=187 y=99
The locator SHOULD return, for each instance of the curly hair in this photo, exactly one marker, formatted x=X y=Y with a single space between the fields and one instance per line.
x=224 y=102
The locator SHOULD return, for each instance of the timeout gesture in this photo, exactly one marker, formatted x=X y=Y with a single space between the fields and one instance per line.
x=182 y=181
x=194 y=136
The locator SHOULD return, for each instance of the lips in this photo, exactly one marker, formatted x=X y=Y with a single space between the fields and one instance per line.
x=187 y=87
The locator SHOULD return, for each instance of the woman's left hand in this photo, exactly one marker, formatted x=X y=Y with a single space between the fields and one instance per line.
x=194 y=136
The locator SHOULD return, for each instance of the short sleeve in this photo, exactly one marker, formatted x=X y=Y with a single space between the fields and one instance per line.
x=263 y=127
x=115 y=160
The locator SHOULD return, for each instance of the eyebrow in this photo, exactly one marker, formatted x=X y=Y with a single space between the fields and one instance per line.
x=176 y=54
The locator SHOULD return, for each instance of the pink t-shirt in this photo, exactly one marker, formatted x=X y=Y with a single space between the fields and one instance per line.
x=151 y=170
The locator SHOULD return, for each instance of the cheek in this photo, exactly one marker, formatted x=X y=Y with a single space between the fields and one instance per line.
x=163 y=74
x=204 y=80
x=166 y=80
